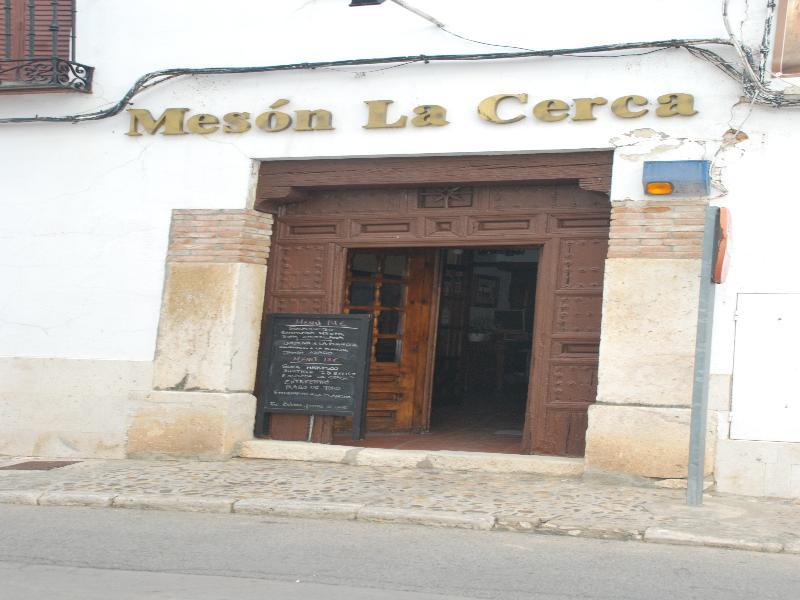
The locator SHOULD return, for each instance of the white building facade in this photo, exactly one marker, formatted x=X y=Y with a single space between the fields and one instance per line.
x=122 y=334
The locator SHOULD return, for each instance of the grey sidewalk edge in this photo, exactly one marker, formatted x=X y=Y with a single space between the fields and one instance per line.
x=20 y=496
x=591 y=531
x=434 y=518
x=385 y=514
x=180 y=503
x=290 y=508
x=528 y=524
x=666 y=535
x=92 y=499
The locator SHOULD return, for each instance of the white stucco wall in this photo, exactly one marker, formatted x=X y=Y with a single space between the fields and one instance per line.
x=86 y=208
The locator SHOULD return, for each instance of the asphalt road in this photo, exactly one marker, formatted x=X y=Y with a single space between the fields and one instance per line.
x=89 y=554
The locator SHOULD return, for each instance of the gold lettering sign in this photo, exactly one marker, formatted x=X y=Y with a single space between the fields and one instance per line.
x=171 y=120
x=202 y=124
x=381 y=115
x=236 y=122
x=313 y=120
x=378 y=115
x=621 y=106
x=551 y=110
x=585 y=106
x=487 y=109
x=676 y=104
x=430 y=115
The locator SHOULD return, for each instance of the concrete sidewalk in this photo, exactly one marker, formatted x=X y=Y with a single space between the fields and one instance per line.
x=518 y=502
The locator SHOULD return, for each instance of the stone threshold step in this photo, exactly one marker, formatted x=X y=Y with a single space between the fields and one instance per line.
x=442 y=460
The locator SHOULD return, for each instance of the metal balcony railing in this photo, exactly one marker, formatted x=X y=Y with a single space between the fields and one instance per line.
x=50 y=72
x=37 y=46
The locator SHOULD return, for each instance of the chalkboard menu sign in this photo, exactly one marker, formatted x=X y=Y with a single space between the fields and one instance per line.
x=315 y=365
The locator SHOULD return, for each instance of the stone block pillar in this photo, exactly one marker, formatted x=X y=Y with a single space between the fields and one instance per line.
x=202 y=404
x=640 y=423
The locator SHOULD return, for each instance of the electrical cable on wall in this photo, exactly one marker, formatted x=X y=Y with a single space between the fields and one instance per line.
x=752 y=83
x=158 y=77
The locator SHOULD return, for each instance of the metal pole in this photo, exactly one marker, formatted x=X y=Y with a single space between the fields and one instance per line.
x=54 y=28
x=310 y=428
x=72 y=31
x=31 y=29
x=702 y=363
x=7 y=32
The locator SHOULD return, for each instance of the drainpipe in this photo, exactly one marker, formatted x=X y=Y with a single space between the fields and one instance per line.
x=702 y=362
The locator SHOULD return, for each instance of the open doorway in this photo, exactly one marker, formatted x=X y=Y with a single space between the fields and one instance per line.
x=484 y=345
x=474 y=353
x=329 y=211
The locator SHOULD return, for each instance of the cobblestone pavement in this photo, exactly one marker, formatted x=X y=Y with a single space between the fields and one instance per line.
x=510 y=501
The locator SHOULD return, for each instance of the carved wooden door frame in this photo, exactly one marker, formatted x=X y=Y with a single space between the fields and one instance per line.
x=283 y=183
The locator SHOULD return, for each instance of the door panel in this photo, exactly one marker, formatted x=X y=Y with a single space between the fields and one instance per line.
x=396 y=287
x=567 y=366
x=300 y=280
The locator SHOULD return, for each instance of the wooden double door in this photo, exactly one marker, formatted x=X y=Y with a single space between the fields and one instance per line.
x=374 y=250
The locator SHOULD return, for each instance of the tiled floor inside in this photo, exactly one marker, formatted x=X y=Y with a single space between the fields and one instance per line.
x=484 y=423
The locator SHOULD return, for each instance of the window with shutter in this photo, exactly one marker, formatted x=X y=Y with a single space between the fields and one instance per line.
x=37 y=47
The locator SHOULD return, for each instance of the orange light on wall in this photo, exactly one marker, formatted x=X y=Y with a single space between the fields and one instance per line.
x=658 y=188
x=686 y=178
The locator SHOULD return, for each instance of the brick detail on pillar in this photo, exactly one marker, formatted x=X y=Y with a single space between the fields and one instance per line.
x=657 y=229
x=219 y=236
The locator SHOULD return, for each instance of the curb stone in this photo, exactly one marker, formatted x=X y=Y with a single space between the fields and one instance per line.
x=76 y=499
x=661 y=535
x=610 y=533
x=287 y=508
x=181 y=503
x=20 y=496
x=426 y=517
x=792 y=547
x=517 y=523
x=351 y=511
